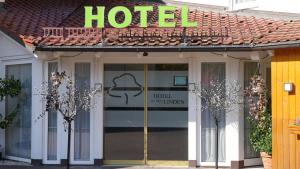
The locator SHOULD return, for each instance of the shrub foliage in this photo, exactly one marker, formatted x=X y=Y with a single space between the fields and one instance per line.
x=261 y=132
x=12 y=88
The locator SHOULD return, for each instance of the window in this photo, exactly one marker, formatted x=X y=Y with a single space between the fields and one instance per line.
x=18 y=134
x=250 y=69
x=52 y=121
x=82 y=120
x=212 y=72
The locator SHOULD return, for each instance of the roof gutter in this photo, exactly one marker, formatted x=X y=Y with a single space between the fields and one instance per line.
x=278 y=45
x=179 y=48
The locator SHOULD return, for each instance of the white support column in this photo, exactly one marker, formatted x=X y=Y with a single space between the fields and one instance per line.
x=192 y=117
x=37 y=110
x=234 y=122
x=197 y=106
x=98 y=120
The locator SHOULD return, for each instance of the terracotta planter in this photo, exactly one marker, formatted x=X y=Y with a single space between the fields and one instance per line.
x=267 y=160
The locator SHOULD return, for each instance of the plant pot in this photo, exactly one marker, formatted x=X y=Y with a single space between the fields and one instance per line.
x=267 y=160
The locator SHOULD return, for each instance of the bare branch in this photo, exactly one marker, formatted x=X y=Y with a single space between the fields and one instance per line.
x=60 y=94
x=218 y=97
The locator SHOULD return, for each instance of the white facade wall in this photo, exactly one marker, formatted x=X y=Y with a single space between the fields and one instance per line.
x=235 y=119
x=13 y=53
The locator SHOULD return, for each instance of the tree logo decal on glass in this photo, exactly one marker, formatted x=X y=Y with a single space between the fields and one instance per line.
x=116 y=87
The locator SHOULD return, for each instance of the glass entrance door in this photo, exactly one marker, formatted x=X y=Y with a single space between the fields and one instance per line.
x=124 y=114
x=167 y=115
x=146 y=114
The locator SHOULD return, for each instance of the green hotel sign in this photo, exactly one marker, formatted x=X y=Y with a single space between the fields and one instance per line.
x=166 y=16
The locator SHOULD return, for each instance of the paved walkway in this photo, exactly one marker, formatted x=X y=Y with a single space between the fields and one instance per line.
x=105 y=167
x=20 y=165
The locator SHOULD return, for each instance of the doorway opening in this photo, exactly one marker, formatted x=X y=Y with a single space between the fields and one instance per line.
x=146 y=114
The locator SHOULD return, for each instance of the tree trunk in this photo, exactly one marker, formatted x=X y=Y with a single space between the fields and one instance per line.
x=69 y=144
x=217 y=145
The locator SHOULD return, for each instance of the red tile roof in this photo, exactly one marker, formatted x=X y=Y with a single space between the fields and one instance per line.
x=288 y=31
x=28 y=18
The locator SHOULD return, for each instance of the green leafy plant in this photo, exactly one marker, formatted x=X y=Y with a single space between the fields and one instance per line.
x=6 y=121
x=261 y=131
x=260 y=118
x=9 y=87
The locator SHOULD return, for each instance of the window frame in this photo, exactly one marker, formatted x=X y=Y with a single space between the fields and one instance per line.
x=199 y=133
x=71 y=68
x=6 y=63
x=264 y=65
x=45 y=125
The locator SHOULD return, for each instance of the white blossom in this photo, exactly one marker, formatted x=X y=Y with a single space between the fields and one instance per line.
x=60 y=94
x=218 y=97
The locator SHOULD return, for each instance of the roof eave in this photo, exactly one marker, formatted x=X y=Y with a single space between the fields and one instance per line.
x=139 y=48
x=278 y=45
x=179 y=48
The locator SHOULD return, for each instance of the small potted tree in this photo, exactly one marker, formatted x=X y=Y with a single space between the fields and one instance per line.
x=60 y=94
x=218 y=98
x=260 y=119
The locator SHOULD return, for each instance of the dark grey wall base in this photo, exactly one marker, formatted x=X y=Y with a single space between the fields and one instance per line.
x=63 y=162
x=192 y=163
x=237 y=164
x=98 y=162
x=36 y=162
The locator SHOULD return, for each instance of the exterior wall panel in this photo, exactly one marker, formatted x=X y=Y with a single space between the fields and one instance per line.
x=285 y=108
